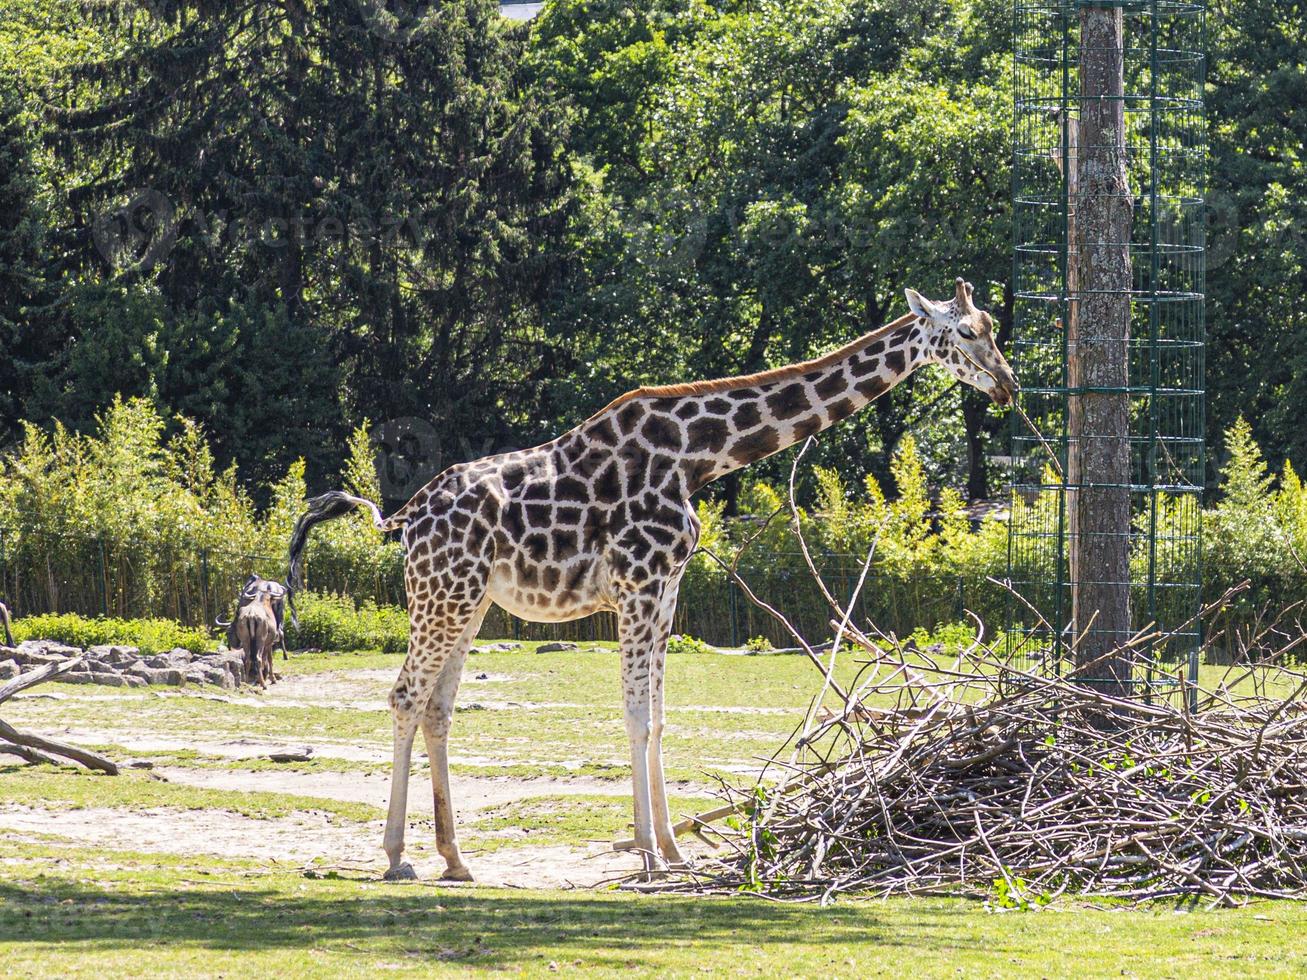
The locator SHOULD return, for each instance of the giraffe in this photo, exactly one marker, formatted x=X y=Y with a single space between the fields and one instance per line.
x=600 y=519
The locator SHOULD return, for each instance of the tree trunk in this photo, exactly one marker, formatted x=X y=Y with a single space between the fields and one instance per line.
x=1099 y=406
x=1099 y=371
x=975 y=414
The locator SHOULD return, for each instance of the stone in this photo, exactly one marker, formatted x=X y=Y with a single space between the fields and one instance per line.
x=9 y=669
x=220 y=677
x=157 y=675
x=172 y=676
x=41 y=652
x=229 y=662
x=498 y=647
x=560 y=647
x=112 y=654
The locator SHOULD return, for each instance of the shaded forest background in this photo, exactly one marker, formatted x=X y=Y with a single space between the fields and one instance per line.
x=279 y=218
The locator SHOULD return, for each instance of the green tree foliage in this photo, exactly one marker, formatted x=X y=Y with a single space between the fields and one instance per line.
x=357 y=213
x=23 y=288
x=1258 y=212
x=134 y=521
x=331 y=212
x=787 y=171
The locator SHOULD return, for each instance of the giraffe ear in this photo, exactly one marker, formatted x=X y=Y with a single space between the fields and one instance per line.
x=919 y=305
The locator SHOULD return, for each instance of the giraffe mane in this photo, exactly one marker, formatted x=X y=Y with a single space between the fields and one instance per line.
x=761 y=377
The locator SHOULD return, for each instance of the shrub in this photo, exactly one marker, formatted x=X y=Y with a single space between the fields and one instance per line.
x=149 y=635
x=947 y=638
x=687 y=644
x=335 y=622
x=759 y=644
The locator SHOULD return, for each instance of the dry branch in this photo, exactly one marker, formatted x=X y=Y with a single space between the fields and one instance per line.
x=971 y=775
x=34 y=748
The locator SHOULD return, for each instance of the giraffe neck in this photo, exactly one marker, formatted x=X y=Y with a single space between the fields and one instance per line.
x=714 y=427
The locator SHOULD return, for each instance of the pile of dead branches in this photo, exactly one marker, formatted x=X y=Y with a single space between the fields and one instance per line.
x=985 y=779
x=986 y=775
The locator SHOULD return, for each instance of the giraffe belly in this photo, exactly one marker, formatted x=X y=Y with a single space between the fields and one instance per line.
x=526 y=600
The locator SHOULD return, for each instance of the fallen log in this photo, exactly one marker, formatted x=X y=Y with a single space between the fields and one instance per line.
x=35 y=748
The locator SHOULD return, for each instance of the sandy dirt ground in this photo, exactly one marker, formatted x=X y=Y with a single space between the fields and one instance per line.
x=315 y=838
x=312 y=839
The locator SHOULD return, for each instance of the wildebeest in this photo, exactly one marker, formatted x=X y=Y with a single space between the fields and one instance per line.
x=257 y=635
x=253 y=588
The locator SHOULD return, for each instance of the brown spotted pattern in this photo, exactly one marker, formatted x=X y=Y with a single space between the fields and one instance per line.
x=601 y=519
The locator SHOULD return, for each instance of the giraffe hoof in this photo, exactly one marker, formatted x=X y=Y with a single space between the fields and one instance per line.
x=460 y=873
x=403 y=872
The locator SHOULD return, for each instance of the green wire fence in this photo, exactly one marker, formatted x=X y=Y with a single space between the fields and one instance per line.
x=1162 y=65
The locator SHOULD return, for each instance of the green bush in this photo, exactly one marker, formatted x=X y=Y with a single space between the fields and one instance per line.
x=687 y=644
x=149 y=635
x=135 y=522
x=334 y=622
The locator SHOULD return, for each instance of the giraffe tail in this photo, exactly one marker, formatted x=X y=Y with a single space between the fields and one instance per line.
x=327 y=507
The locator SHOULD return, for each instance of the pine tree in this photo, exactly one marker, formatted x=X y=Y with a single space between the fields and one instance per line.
x=23 y=288
x=370 y=197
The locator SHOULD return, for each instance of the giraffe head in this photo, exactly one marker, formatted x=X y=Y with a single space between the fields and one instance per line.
x=961 y=337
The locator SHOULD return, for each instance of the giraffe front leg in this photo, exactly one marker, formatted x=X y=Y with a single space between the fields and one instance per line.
x=662 y=817
x=644 y=645
x=637 y=732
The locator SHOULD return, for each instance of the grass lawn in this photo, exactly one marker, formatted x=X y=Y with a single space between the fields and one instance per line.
x=547 y=728
x=87 y=913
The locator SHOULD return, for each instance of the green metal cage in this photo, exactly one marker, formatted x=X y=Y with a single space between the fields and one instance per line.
x=1162 y=53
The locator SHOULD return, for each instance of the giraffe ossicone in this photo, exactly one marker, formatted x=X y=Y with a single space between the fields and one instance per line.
x=601 y=519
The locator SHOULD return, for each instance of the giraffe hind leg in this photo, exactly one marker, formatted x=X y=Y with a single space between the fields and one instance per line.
x=434 y=635
x=437 y=718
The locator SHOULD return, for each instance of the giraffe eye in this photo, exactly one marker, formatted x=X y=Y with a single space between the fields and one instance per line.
x=966 y=331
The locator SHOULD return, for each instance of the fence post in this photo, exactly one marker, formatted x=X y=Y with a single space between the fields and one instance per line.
x=204 y=585
x=104 y=578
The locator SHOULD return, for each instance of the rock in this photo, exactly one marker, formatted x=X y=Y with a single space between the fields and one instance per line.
x=108 y=679
x=176 y=658
x=303 y=755
x=222 y=678
x=562 y=647
x=44 y=652
x=231 y=663
x=498 y=647
x=157 y=675
x=110 y=654
x=196 y=675
x=171 y=676
x=76 y=677
x=9 y=669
